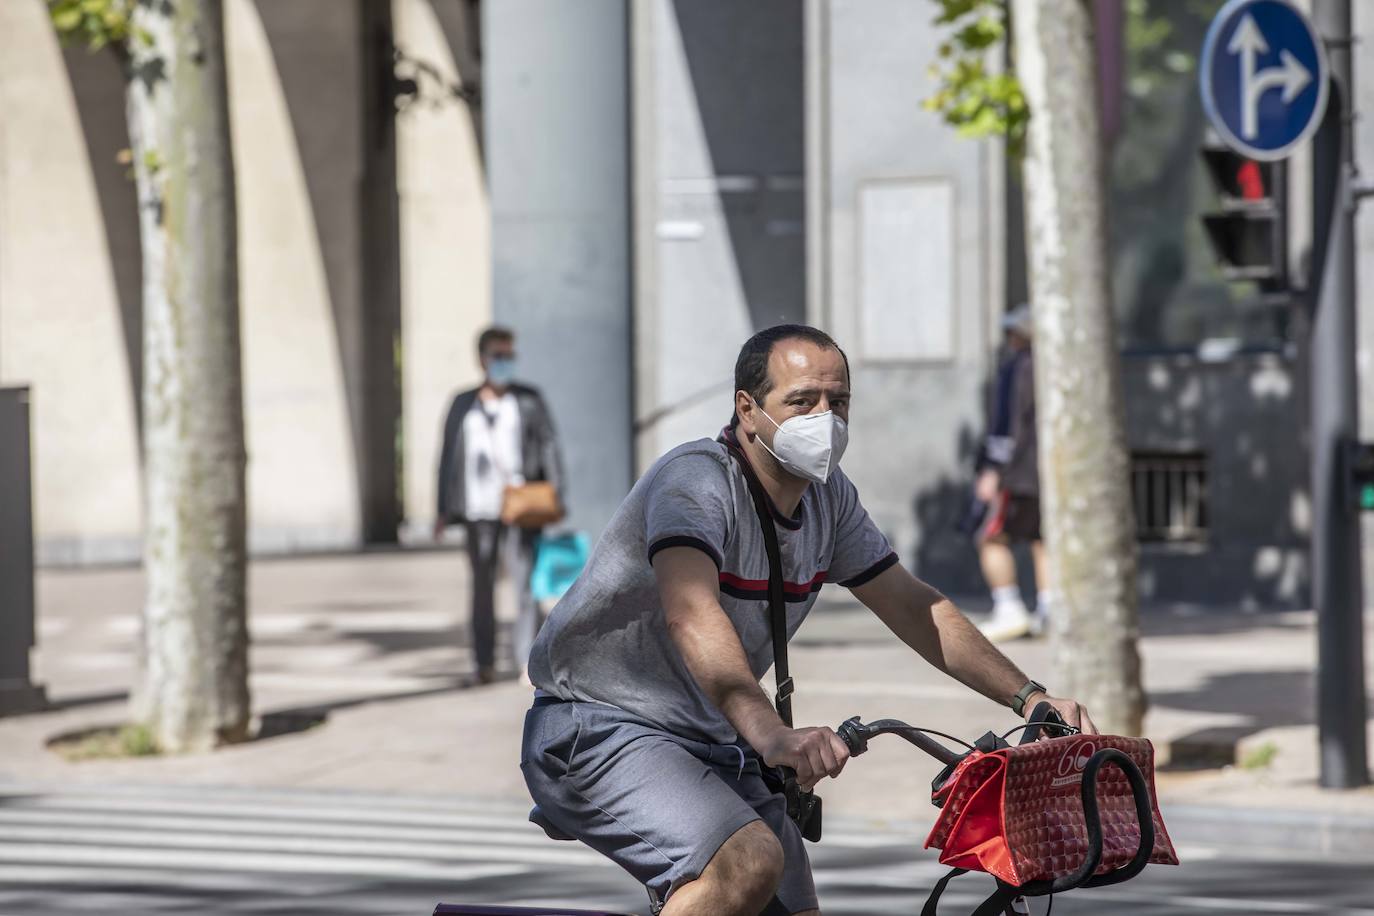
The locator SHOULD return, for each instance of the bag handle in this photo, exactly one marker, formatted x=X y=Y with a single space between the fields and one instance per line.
x=1144 y=814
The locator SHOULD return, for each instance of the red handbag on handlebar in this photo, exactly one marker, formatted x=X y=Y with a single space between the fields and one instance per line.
x=1021 y=813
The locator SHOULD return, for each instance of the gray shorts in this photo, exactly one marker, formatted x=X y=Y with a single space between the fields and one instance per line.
x=657 y=805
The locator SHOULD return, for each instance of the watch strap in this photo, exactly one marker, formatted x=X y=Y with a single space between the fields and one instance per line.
x=1018 y=702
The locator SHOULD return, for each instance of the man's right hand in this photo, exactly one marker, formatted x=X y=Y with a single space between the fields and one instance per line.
x=439 y=526
x=812 y=753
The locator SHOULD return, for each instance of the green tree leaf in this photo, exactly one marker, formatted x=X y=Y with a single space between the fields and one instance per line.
x=94 y=23
x=975 y=102
x=67 y=20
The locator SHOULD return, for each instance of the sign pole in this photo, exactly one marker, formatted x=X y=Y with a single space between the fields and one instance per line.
x=1337 y=589
x=1267 y=83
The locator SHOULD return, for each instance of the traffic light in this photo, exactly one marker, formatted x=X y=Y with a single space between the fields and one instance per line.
x=1249 y=234
x=1359 y=468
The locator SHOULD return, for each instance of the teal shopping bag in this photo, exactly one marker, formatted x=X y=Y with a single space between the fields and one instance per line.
x=558 y=561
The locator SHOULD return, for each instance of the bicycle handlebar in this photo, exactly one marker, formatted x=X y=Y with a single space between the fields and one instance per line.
x=856 y=735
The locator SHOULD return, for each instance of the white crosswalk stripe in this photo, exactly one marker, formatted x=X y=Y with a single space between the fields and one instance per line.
x=159 y=849
x=154 y=851
x=237 y=830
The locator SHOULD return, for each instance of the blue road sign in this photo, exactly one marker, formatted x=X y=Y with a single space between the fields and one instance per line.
x=1264 y=77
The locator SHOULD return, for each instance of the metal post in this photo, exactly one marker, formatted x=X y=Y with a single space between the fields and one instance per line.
x=1336 y=579
x=18 y=693
x=380 y=321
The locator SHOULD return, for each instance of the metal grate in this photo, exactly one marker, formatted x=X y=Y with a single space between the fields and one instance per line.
x=1170 y=494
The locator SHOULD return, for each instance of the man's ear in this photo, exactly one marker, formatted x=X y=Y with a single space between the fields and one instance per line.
x=744 y=409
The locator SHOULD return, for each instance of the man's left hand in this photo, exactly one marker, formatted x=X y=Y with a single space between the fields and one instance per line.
x=1071 y=711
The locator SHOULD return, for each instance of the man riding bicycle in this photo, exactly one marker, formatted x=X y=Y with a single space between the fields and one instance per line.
x=650 y=730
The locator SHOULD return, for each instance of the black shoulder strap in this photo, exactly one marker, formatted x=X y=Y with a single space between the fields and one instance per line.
x=777 y=602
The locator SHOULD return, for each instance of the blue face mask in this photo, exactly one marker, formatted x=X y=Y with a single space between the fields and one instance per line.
x=501 y=371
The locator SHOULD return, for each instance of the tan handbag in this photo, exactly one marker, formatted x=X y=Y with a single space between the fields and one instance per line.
x=531 y=505
x=528 y=505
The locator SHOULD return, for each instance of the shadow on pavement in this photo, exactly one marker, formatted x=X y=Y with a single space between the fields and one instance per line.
x=1189 y=620
x=1267 y=699
x=79 y=700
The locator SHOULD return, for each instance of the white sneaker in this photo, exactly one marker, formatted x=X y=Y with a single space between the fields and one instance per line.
x=1039 y=622
x=1008 y=621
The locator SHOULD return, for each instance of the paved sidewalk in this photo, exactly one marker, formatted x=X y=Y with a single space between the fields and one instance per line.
x=378 y=642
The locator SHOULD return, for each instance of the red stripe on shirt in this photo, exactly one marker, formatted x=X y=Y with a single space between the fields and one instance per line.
x=795 y=588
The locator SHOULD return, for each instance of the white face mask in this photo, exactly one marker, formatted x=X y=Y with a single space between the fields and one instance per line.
x=809 y=446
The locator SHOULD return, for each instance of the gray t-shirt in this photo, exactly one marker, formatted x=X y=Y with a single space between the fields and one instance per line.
x=607 y=639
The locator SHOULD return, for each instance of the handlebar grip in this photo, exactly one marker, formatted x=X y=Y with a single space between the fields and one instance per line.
x=1043 y=712
x=854 y=734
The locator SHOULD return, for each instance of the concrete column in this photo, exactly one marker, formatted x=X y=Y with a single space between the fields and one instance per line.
x=296 y=83
x=445 y=238
x=555 y=101
x=68 y=332
x=720 y=166
x=912 y=275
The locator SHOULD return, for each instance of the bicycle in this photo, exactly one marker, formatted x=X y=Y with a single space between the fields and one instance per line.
x=1008 y=898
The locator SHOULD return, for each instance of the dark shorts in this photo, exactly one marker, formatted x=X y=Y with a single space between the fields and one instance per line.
x=1015 y=518
x=657 y=805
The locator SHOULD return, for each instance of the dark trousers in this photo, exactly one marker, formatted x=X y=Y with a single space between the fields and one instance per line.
x=490 y=544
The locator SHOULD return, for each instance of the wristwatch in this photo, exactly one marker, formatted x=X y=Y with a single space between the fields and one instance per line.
x=1018 y=702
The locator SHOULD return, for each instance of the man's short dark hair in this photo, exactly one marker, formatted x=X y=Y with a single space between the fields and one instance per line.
x=751 y=368
x=493 y=334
